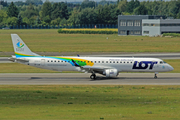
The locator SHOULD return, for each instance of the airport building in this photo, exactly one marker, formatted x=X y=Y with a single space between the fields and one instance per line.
x=147 y=25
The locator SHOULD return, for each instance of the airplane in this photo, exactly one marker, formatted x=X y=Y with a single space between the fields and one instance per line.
x=107 y=66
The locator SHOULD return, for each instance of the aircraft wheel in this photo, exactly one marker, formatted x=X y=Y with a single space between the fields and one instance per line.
x=93 y=76
x=155 y=76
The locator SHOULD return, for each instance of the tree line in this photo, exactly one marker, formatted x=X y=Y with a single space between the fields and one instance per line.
x=35 y=12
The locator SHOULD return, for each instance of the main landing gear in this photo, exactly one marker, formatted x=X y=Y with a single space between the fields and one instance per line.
x=155 y=75
x=93 y=76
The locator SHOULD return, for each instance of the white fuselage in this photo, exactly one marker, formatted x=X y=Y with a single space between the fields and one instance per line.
x=122 y=64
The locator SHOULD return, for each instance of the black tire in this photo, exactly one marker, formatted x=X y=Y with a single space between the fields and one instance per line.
x=93 y=77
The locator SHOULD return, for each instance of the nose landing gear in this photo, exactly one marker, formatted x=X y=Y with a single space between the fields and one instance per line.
x=93 y=76
x=155 y=75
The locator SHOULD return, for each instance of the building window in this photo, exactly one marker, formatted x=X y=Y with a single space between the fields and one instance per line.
x=137 y=23
x=174 y=24
x=122 y=23
x=129 y=23
x=155 y=24
x=122 y=32
x=137 y=32
x=146 y=32
x=145 y=24
x=131 y=32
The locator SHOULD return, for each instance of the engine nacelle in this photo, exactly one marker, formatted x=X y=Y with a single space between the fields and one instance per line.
x=111 y=73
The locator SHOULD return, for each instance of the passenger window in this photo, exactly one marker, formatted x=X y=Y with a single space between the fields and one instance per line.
x=106 y=61
x=117 y=62
x=48 y=61
x=91 y=61
x=127 y=62
x=102 y=61
x=161 y=62
x=65 y=61
x=124 y=62
x=58 y=61
x=61 y=61
x=68 y=61
x=110 y=62
x=99 y=61
x=94 y=61
x=51 y=61
x=54 y=61
x=120 y=62
x=114 y=62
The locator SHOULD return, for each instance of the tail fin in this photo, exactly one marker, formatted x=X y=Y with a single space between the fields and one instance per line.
x=20 y=48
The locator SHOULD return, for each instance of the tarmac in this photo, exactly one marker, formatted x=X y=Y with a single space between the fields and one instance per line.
x=83 y=79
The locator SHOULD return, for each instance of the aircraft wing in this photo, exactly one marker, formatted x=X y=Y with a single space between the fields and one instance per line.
x=95 y=68
x=98 y=69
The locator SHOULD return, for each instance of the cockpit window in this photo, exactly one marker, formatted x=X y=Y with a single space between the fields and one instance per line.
x=164 y=62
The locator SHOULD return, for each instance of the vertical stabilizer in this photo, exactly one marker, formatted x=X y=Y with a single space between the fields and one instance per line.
x=20 y=48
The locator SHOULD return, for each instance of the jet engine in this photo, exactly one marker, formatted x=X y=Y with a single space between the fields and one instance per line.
x=111 y=72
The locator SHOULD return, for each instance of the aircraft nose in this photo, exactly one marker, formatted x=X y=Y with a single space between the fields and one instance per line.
x=171 y=68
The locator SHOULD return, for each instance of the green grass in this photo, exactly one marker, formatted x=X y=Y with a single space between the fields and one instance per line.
x=50 y=41
x=20 y=68
x=89 y=102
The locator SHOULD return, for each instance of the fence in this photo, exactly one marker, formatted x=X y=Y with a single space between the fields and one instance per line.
x=58 y=26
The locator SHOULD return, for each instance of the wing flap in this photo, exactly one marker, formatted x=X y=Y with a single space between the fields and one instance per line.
x=97 y=68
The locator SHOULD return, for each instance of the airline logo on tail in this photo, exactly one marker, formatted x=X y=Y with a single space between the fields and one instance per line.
x=19 y=45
